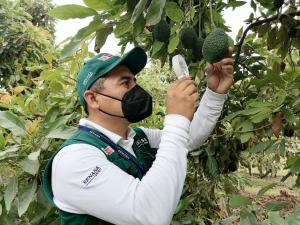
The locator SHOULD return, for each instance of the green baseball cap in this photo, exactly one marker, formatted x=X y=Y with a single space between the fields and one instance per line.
x=101 y=64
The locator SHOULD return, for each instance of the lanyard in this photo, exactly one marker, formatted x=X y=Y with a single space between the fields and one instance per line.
x=124 y=154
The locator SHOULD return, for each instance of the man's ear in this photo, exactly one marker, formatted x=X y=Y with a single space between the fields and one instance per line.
x=90 y=99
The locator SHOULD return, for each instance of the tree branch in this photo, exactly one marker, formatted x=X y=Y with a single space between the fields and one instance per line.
x=257 y=23
x=286 y=176
x=248 y=69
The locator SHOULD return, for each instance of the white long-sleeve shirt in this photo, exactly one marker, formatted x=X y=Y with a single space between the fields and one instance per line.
x=119 y=198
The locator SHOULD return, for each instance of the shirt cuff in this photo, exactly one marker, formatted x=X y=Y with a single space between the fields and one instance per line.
x=178 y=121
x=213 y=98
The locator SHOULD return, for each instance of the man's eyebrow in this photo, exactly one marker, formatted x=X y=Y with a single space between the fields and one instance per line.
x=125 y=77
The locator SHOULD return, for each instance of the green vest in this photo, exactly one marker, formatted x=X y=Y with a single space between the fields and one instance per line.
x=144 y=154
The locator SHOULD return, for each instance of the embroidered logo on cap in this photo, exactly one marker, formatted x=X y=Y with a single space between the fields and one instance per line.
x=89 y=75
x=108 y=150
x=105 y=57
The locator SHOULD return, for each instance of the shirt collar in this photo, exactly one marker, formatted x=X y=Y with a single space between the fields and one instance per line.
x=112 y=136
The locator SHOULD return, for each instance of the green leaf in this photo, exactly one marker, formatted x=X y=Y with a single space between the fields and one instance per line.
x=229 y=220
x=99 y=5
x=173 y=44
x=138 y=10
x=154 y=12
x=2 y=141
x=264 y=189
x=212 y=166
x=12 y=122
x=295 y=217
x=259 y=117
x=43 y=208
x=71 y=11
x=247 y=218
x=235 y=4
x=263 y=29
x=174 y=12
x=275 y=219
x=30 y=166
x=184 y=203
x=276 y=206
x=138 y=25
x=271 y=41
x=232 y=115
x=261 y=146
x=250 y=111
x=253 y=5
x=122 y=28
x=282 y=148
x=157 y=45
x=297 y=182
x=34 y=155
x=257 y=104
x=51 y=115
x=62 y=120
x=246 y=137
x=101 y=36
x=293 y=163
x=10 y=192
x=9 y=152
x=26 y=196
x=7 y=219
x=237 y=201
x=51 y=74
x=83 y=33
x=244 y=127
x=63 y=132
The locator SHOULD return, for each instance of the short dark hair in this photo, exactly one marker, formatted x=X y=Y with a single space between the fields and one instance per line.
x=98 y=86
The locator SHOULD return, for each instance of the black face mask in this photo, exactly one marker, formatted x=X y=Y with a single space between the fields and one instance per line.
x=136 y=104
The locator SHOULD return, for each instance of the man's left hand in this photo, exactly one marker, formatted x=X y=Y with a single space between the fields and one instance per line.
x=220 y=74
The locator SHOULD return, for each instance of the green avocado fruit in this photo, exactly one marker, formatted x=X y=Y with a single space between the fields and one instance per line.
x=188 y=37
x=215 y=46
x=162 y=31
x=278 y=3
x=197 y=49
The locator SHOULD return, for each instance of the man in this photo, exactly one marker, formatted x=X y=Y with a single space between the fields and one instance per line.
x=109 y=173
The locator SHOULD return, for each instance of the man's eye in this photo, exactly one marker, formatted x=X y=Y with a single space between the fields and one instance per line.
x=125 y=83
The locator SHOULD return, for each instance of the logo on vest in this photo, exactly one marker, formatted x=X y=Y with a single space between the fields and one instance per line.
x=141 y=142
x=108 y=150
x=92 y=175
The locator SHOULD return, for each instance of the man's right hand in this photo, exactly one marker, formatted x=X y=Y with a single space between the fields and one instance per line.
x=182 y=98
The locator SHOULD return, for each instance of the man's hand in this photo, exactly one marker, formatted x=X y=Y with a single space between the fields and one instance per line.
x=220 y=74
x=182 y=97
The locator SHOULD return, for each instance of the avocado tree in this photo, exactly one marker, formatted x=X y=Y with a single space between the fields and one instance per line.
x=26 y=40
x=262 y=111
x=263 y=106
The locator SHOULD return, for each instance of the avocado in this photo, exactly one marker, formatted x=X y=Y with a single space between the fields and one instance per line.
x=215 y=46
x=197 y=49
x=188 y=37
x=278 y=3
x=131 y=5
x=162 y=31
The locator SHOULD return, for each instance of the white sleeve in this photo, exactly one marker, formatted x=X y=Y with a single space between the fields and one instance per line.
x=85 y=182
x=205 y=118
x=203 y=123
